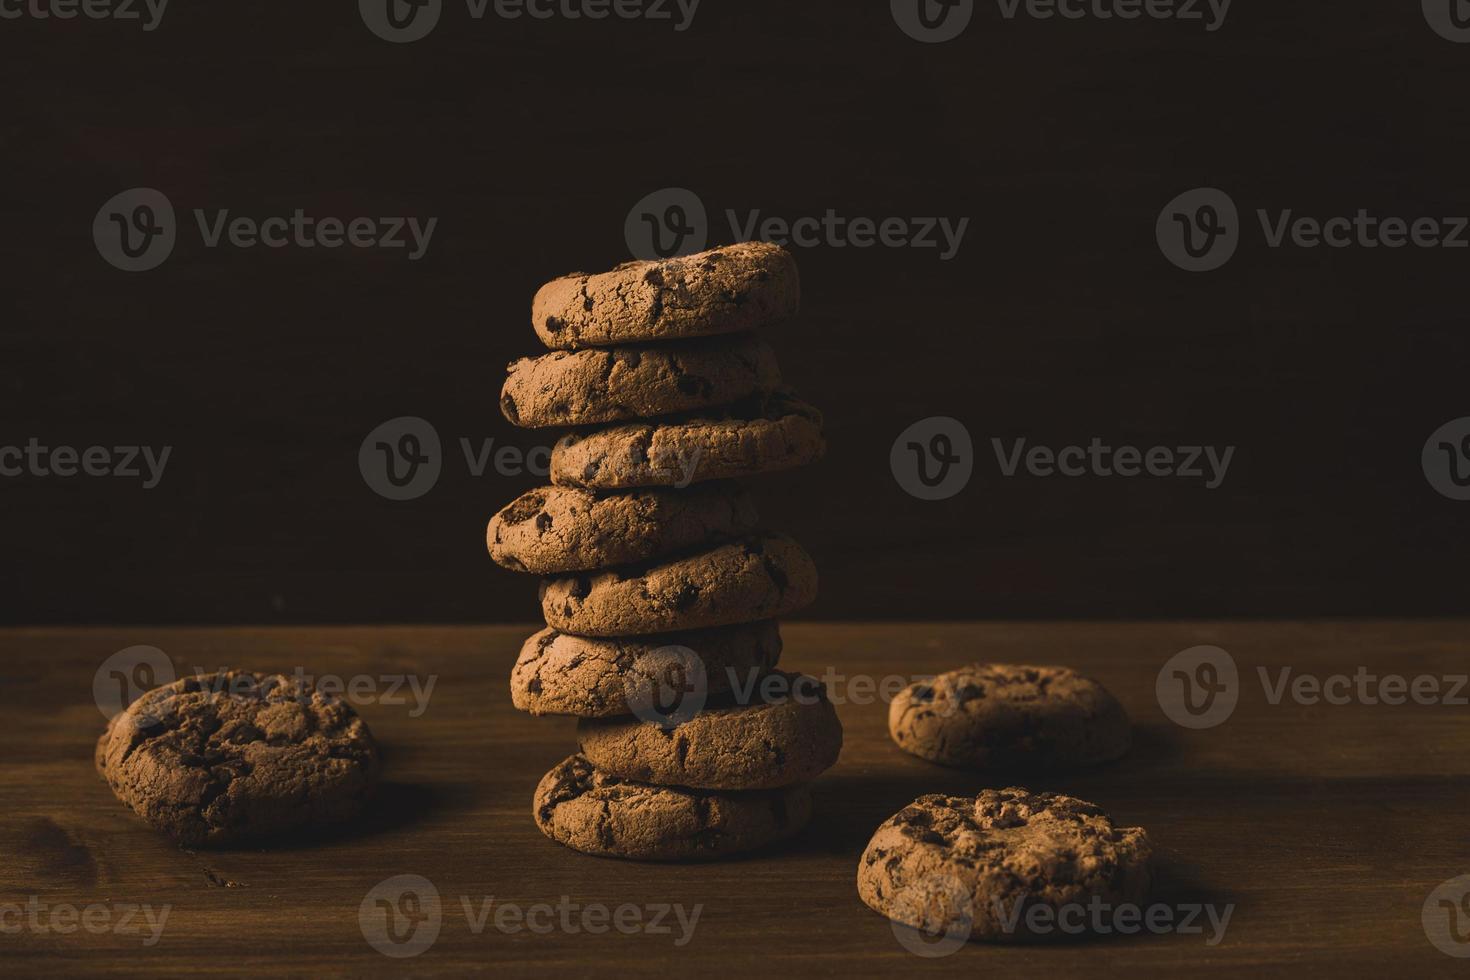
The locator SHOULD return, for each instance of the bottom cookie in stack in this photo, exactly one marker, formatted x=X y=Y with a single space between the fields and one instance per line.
x=730 y=779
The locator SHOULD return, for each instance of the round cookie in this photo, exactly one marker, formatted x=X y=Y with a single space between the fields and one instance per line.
x=235 y=756
x=565 y=529
x=758 y=578
x=561 y=674
x=616 y=384
x=748 y=744
x=999 y=715
x=725 y=290
x=965 y=867
x=765 y=435
x=596 y=813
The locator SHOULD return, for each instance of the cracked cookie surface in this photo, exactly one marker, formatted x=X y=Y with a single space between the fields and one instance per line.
x=725 y=290
x=743 y=741
x=616 y=384
x=757 y=578
x=774 y=432
x=553 y=529
x=561 y=674
x=600 y=814
x=974 y=867
x=1005 y=715
x=237 y=756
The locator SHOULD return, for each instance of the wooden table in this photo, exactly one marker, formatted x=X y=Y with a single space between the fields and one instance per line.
x=1326 y=827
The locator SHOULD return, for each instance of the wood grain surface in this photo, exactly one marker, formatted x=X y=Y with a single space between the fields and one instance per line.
x=1325 y=827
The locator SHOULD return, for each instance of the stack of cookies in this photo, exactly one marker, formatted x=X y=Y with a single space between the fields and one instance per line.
x=658 y=579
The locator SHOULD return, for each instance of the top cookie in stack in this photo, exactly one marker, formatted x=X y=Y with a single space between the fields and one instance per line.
x=649 y=548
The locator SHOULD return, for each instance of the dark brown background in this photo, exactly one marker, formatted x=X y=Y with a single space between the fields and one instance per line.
x=529 y=140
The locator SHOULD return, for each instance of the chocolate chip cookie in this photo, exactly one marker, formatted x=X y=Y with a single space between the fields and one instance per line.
x=235 y=756
x=561 y=674
x=748 y=742
x=974 y=868
x=724 y=290
x=998 y=715
x=566 y=529
x=600 y=814
x=757 y=578
x=764 y=435
x=615 y=384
